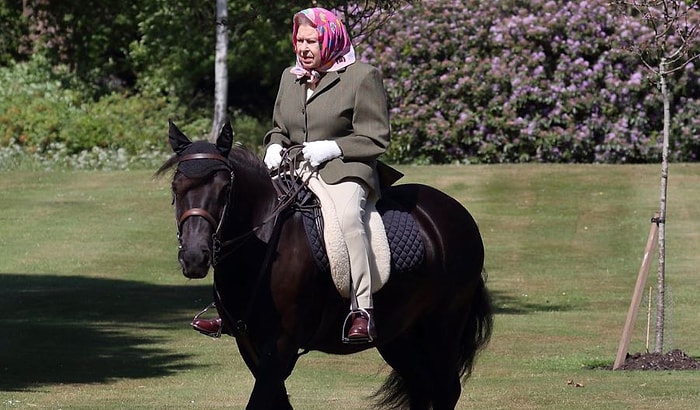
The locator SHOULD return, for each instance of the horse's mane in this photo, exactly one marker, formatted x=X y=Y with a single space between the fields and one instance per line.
x=239 y=156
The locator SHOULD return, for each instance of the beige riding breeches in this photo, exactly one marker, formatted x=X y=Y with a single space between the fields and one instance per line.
x=353 y=209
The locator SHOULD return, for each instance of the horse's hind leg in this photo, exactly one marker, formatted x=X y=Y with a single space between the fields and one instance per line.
x=410 y=384
x=426 y=365
x=447 y=341
x=442 y=352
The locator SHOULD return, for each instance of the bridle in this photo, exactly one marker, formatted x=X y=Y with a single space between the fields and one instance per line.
x=286 y=195
x=201 y=212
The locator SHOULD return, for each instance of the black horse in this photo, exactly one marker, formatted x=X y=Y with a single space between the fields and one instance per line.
x=275 y=300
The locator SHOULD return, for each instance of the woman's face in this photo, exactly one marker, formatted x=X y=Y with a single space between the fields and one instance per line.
x=307 y=47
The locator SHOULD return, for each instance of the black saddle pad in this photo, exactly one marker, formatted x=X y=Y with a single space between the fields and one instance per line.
x=405 y=242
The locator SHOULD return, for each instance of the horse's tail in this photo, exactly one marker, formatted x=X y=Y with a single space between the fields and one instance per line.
x=479 y=327
x=394 y=393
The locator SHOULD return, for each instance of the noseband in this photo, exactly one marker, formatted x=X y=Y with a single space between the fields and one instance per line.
x=196 y=212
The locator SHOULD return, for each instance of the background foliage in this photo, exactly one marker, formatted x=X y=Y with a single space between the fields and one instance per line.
x=513 y=81
x=468 y=81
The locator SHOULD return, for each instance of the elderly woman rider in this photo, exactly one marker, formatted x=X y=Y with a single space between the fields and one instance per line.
x=335 y=107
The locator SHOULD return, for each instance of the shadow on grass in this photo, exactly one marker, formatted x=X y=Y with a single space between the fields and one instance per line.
x=89 y=330
x=58 y=330
x=506 y=304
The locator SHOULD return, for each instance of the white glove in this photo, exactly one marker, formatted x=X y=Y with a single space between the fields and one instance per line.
x=273 y=156
x=318 y=152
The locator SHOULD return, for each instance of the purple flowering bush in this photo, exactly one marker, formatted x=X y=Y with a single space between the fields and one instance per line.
x=539 y=81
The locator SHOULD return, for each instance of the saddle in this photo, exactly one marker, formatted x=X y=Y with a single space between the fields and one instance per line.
x=395 y=240
x=401 y=252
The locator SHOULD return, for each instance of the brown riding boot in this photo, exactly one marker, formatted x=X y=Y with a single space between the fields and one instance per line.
x=211 y=328
x=359 y=331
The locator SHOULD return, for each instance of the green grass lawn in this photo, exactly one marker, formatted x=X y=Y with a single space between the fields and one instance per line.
x=95 y=312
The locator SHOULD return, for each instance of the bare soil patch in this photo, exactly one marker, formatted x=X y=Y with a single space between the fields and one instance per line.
x=673 y=360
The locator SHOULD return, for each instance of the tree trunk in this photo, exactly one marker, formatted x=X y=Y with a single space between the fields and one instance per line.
x=661 y=276
x=220 y=69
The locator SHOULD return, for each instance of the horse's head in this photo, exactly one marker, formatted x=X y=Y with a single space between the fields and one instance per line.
x=200 y=186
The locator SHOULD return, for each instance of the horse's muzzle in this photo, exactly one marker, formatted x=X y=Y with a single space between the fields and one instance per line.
x=195 y=262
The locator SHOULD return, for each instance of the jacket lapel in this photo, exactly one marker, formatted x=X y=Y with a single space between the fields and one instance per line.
x=327 y=81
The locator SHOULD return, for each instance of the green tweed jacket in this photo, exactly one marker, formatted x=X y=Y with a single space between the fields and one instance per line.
x=348 y=106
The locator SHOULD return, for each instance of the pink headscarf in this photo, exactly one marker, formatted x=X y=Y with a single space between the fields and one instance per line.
x=336 y=48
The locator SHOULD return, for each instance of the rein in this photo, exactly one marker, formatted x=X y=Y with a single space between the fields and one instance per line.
x=286 y=196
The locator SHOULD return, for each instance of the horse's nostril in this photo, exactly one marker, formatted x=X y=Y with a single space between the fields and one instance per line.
x=195 y=261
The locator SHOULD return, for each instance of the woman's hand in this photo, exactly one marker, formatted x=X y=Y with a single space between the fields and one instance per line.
x=318 y=152
x=273 y=156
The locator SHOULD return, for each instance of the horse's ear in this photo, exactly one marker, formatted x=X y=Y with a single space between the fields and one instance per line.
x=178 y=141
x=225 y=139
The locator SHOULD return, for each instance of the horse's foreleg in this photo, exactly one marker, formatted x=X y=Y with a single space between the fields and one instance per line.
x=269 y=391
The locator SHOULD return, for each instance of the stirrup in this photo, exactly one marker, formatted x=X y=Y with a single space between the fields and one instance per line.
x=348 y=323
x=198 y=315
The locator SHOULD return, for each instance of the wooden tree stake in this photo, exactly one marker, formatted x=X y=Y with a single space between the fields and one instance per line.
x=637 y=295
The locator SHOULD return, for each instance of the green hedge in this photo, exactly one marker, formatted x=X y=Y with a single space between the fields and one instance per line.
x=42 y=108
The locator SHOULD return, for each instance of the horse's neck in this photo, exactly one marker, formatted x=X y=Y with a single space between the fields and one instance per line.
x=253 y=197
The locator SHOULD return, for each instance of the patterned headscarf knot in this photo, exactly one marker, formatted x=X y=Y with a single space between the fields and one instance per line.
x=336 y=48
